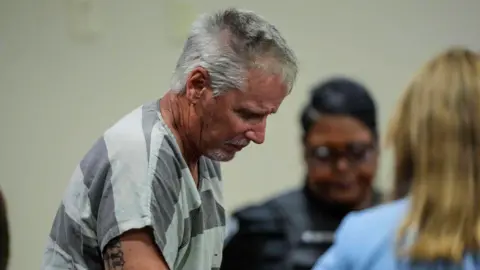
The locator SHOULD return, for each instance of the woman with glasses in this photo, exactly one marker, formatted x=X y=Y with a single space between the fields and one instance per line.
x=435 y=135
x=292 y=230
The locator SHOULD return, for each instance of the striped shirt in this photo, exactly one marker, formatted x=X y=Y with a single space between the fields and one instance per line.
x=134 y=176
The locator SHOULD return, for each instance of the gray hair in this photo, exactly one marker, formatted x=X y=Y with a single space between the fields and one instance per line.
x=230 y=42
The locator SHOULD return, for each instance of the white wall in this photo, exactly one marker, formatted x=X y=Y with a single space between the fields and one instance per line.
x=59 y=91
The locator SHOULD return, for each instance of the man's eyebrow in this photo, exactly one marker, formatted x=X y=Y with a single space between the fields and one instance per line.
x=256 y=110
x=251 y=110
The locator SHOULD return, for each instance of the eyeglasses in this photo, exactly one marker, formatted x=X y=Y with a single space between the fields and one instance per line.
x=354 y=153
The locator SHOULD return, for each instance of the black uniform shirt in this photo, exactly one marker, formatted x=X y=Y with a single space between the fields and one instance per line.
x=288 y=232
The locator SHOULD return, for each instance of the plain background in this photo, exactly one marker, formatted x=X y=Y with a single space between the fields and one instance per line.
x=70 y=68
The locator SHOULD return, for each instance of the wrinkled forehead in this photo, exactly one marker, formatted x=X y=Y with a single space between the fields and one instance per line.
x=263 y=91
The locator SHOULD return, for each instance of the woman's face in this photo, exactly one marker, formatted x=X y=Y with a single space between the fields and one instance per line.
x=341 y=156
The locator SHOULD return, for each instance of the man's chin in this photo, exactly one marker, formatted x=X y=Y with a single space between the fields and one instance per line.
x=225 y=159
x=220 y=156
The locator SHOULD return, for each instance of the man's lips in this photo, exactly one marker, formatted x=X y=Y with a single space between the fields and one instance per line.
x=236 y=147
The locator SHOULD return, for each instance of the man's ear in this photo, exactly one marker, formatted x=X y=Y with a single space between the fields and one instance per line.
x=197 y=84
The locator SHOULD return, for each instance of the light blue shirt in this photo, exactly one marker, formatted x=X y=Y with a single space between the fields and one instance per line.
x=366 y=240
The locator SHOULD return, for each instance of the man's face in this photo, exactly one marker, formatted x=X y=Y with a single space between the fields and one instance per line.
x=232 y=120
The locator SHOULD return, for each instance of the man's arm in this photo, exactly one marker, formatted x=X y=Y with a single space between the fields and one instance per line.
x=134 y=249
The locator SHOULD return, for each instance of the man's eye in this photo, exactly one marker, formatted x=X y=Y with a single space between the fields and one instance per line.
x=249 y=115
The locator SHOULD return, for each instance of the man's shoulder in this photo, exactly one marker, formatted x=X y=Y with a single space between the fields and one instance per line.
x=129 y=155
x=141 y=132
x=134 y=128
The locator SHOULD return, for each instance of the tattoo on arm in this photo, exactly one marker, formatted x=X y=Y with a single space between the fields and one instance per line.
x=113 y=255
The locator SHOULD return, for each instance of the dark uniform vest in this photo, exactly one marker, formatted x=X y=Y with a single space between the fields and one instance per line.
x=289 y=232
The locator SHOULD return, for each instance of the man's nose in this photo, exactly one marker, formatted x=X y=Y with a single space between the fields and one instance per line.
x=257 y=133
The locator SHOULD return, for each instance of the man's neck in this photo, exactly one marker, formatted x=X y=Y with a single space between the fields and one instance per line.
x=174 y=110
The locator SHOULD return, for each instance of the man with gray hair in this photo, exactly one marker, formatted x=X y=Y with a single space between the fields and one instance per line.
x=148 y=193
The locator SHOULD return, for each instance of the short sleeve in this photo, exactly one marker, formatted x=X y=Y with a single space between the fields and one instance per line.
x=140 y=190
x=166 y=208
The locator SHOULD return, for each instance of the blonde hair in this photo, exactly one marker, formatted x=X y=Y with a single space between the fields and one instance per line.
x=435 y=135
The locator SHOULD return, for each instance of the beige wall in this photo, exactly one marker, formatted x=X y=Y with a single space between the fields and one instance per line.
x=61 y=86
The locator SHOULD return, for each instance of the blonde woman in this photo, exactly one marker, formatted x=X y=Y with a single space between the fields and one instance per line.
x=435 y=135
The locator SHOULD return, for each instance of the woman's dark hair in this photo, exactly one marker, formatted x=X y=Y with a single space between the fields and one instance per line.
x=4 y=234
x=340 y=96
